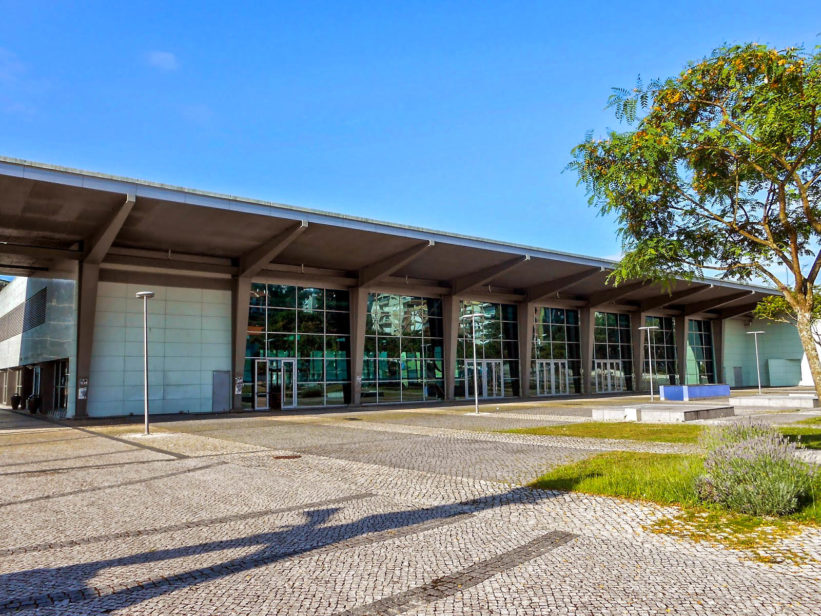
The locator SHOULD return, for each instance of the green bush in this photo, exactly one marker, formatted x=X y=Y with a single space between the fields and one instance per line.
x=753 y=469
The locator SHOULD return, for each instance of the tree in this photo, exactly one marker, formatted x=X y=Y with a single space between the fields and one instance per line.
x=721 y=170
x=776 y=308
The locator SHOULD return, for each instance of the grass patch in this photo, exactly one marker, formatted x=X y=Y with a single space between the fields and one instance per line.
x=808 y=437
x=661 y=478
x=663 y=433
x=668 y=479
x=812 y=421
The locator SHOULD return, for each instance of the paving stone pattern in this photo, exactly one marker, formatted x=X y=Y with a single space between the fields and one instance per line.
x=318 y=514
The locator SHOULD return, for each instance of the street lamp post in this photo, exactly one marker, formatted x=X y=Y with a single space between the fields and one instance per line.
x=648 y=329
x=473 y=316
x=757 y=364
x=145 y=296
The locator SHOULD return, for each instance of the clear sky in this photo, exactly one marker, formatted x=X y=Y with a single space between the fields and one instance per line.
x=451 y=115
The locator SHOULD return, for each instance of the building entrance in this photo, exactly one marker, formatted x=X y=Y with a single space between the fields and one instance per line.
x=490 y=378
x=552 y=377
x=274 y=384
x=609 y=376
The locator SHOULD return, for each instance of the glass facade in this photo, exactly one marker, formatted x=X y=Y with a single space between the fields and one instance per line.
x=700 y=364
x=306 y=324
x=497 y=350
x=663 y=344
x=404 y=349
x=556 y=364
x=612 y=353
x=298 y=350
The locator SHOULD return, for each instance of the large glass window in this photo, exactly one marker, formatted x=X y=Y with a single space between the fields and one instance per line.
x=497 y=348
x=404 y=349
x=556 y=364
x=308 y=324
x=612 y=353
x=700 y=363
x=663 y=343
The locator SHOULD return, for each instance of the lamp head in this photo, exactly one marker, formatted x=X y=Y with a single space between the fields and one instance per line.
x=145 y=294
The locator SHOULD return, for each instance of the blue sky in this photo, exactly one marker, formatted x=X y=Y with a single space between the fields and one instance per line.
x=454 y=116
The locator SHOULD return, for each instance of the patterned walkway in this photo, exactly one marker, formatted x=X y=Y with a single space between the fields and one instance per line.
x=321 y=515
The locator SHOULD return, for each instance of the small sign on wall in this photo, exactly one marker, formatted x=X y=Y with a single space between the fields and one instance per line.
x=238 y=386
x=82 y=389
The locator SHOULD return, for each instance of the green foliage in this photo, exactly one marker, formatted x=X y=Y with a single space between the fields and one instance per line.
x=662 y=478
x=808 y=438
x=777 y=308
x=753 y=469
x=663 y=433
x=721 y=172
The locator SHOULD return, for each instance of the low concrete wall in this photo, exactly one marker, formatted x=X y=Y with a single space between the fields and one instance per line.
x=662 y=413
x=773 y=401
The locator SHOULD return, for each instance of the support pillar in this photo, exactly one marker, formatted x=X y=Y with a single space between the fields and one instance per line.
x=87 y=308
x=240 y=298
x=359 y=316
x=450 y=312
x=639 y=345
x=680 y=325
x=718 y=350
x=587 y=318
x=527 y=324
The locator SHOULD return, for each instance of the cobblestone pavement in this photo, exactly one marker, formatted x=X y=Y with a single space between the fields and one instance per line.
x=325 y=515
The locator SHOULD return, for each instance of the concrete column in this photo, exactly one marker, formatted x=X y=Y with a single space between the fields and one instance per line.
x=527 y=324
x=639 y=346
x=359 y=315
x=240 y=299
x=450 y=312
x=680 y=325
x=587 y=317
x=86 y=310
x=718 y=350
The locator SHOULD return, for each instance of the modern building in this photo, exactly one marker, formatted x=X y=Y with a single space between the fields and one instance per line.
x=260 y=305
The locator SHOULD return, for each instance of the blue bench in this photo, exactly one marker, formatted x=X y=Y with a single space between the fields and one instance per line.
x=685 y=393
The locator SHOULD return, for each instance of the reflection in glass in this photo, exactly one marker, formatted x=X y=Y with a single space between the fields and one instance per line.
x=310 y=321
x=273 y=324
x=310 y=345
x=611 y=334
x=281 y=296
x=281 y=320
x=400 y=331
x=700 y=363
x=310 y=298
x=257 y=294
x=556 y=367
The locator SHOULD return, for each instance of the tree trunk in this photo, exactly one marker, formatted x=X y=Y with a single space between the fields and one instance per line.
x=804 y=323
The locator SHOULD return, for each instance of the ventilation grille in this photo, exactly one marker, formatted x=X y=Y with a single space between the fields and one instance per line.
x=24 y=317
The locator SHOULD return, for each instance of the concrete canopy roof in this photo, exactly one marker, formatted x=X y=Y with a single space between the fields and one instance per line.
x=51 y=215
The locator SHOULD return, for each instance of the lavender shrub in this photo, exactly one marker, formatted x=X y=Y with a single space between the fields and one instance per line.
x=752 y=468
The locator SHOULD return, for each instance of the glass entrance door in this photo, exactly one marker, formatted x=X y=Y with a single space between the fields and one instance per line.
x=609 y=376
x=288 y=378
x=552 y=377
x=490 y=378
x=279 y=389
x=261 y=384
x=61 y=384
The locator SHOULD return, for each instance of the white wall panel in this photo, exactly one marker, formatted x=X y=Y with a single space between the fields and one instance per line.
x=184 y=349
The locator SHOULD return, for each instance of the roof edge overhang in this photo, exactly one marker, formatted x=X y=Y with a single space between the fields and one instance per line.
x=56 y=174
